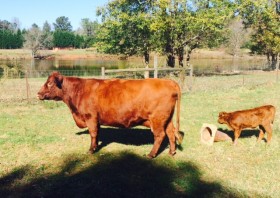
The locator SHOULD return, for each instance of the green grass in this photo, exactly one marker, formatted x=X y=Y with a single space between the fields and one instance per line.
x=44 y=154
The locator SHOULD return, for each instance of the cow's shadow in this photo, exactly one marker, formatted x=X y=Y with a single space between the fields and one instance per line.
x=130 y=136
x=246 y=133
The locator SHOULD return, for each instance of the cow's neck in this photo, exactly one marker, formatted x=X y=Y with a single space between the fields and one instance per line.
x=72 y=88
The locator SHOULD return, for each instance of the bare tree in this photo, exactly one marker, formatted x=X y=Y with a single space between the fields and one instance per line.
x=237 y=36
x=33 y=39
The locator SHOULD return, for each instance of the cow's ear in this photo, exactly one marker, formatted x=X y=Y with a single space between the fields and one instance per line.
x=58 y=80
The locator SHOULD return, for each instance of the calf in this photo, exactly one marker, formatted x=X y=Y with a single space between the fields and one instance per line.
x=261 y=117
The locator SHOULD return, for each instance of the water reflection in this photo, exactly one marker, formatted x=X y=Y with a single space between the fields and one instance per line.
x=201 y=66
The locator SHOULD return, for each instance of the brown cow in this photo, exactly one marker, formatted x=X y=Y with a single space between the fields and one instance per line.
x=119 y=103
x=261 y=117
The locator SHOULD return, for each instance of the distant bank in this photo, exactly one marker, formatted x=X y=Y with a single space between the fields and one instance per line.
x=72 y=54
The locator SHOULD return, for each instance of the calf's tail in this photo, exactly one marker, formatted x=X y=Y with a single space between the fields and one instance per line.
x=273 y=114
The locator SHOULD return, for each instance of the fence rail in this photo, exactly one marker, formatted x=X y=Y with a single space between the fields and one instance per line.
x=155 y=70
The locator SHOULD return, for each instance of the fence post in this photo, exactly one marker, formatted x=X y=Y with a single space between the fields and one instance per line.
x=27 y=85
x=277 y=68
x=146 y=73
x=191 y=76
x=103 y=72
x=155 y=66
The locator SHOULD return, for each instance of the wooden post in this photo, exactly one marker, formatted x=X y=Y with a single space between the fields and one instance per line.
x=103 y=72
x=146 y=73
x=191 y=70
x=155 y=66
x=191 y=76
x=277 y=68
x=27 y=85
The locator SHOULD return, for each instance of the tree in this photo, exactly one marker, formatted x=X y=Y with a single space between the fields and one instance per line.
x=126 y=28
x=62 y=24
x=47 y=36
x=182 y=26
x=10 y=36
x=237 y=36
x=78 y=41
x=88 y=31
x=63 y=39
x=263 y=17
x=33 y=39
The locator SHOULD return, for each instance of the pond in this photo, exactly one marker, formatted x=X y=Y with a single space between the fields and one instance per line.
x=93 y=66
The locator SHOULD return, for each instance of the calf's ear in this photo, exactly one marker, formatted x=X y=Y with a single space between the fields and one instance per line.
x=222 y=113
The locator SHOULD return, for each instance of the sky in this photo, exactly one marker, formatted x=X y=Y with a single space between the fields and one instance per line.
x=28 y=12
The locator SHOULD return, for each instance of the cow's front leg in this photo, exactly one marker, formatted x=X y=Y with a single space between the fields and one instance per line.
x=93 y=128
x=94 y=140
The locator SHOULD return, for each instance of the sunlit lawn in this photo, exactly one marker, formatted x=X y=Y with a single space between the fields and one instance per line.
x=44 y=154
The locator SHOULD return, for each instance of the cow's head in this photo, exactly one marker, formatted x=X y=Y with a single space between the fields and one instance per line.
x=223 y=117
x=52 y=89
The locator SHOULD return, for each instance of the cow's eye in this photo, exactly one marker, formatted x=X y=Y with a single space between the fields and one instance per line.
x=49 y=84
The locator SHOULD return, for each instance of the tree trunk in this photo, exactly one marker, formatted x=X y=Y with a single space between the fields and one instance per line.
x=181 y=57
x=171 y=60
x=170 y=55
x=147 y=57
x=147 y=60
x=188 y=56
x=273 y=61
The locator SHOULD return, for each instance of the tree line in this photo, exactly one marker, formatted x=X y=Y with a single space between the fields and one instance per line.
x=36 y=38
x=173 y=28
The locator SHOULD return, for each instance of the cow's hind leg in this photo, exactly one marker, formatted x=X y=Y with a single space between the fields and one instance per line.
x=170 y=130
x=159 y=134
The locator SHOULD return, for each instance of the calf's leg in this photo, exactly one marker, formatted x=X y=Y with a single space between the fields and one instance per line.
x=237 y=133
x=268 y=130
x=261 y=135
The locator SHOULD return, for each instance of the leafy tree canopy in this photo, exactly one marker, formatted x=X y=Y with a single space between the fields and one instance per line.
x=264 y=18
x=170 y=27
x=62 y=24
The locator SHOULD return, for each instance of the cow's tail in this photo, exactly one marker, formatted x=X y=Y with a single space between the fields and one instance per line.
x=178 y=136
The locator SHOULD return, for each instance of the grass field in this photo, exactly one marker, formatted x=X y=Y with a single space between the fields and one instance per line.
x=44 y=154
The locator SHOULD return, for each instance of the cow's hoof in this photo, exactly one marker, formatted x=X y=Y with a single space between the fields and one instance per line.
x=92 y=151
x=151 y=156
x=172 y=153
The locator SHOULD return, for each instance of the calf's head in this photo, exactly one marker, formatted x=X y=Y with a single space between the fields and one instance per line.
x=223 y=117
x=52 y=89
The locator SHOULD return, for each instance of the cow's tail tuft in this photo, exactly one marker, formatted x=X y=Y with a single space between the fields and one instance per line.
x=179 y=137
